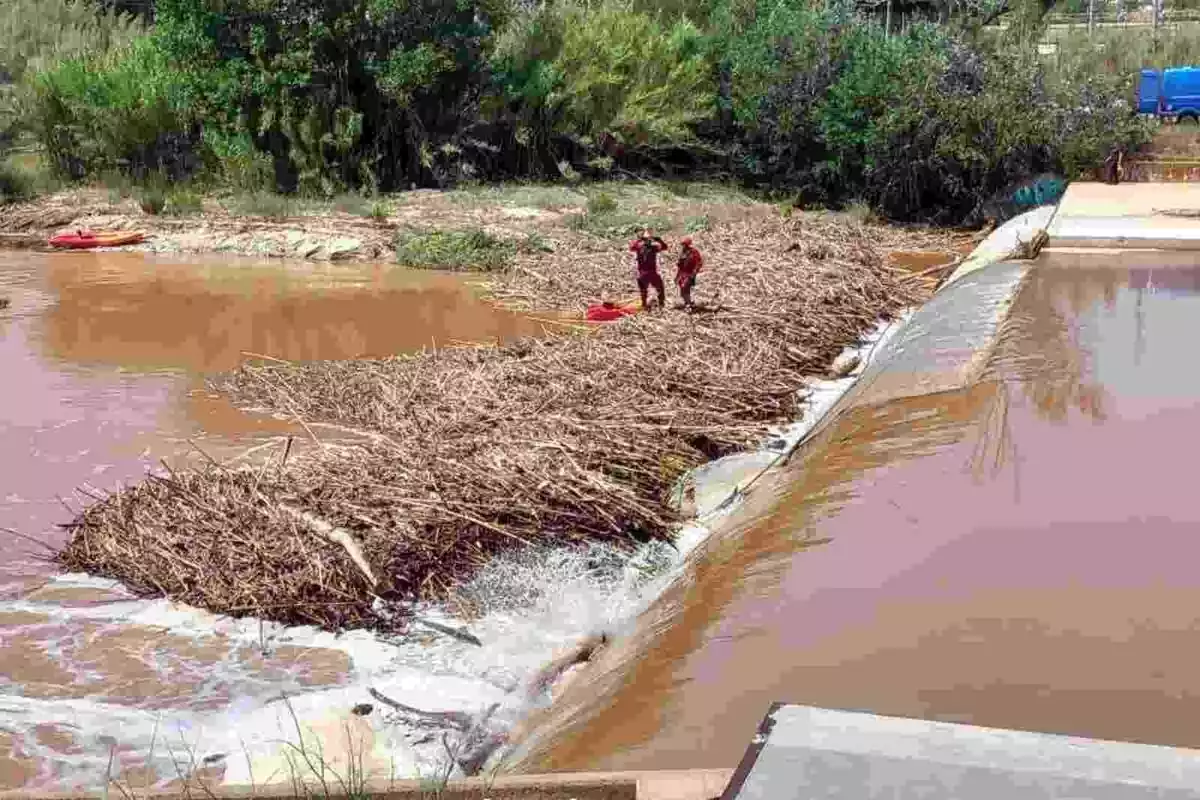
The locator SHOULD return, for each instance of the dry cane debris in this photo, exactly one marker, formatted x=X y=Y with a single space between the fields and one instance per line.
x=570 y=438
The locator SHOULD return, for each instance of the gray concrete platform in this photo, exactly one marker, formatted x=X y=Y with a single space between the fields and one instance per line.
x=806 y=752
x=1140 y=215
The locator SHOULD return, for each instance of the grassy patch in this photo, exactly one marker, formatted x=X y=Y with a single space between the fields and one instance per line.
x=152 y=200
x=278 y=206
x=616 y=224
x=535 y=243
x=706 y=192
x=261 y=204
x=470 y=250
x=697 y=224
x=862 y=213
x=601 y=203
x=523 y=195
x=182 y=202
x=379 y=211
x=356 y=204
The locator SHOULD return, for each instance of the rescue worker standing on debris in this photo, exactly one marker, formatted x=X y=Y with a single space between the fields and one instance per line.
x=686 y=269
x=646 y=249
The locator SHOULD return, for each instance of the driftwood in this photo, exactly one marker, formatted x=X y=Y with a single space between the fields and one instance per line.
x=459 y=720
x=581 y=653
x=462 y=634
x=339 y=536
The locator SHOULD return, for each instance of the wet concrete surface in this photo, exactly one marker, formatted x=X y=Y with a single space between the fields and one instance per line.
x=102 y=360
x=1018 y=553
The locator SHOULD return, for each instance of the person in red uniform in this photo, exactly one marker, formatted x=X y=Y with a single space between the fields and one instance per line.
x=646 y=248
x=686 y=269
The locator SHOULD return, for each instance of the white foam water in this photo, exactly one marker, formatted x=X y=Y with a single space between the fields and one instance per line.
x=527 y=608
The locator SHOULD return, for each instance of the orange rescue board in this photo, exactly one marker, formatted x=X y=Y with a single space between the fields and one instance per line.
x=88 y=240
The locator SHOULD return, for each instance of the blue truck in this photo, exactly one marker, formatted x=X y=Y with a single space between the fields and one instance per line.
x=1173 y=93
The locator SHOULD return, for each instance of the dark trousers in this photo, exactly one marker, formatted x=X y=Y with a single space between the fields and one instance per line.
x=647 y=279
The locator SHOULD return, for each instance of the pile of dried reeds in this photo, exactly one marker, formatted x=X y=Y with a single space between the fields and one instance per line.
x=574 y=437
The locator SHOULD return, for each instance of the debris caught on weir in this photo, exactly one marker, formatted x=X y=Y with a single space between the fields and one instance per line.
x=582 y=653
x=459 y=720
x=1028 y=249
x=568 y=439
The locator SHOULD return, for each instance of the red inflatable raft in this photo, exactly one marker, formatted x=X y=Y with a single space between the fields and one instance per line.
x=607 y=312
x=86 y=240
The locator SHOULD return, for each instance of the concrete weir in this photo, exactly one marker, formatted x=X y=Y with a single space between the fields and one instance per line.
x=802 y=751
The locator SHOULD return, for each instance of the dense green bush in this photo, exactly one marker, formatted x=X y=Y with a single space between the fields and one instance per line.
x=35 y=33
x=15 y=184
x=126 y=108
x=810 y=100
x=608 y=69
x=470 y=250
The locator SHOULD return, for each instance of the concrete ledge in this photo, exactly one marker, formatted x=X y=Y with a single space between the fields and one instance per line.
x=945 y=343
x=803 y=752
x=696 y=784
x=1139 y=232
x=1164 y=216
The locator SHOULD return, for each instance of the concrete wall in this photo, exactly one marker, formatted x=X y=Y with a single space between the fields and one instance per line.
x=658 y=785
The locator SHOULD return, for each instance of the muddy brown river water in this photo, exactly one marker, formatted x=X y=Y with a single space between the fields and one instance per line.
x=102 y=357
x=1018 y=553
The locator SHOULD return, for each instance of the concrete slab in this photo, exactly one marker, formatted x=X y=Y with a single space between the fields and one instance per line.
x=1102 y=200
x=1140 y=215
x=803 y=752
x=1116 y=258
x=946 y=342
x=692 y=784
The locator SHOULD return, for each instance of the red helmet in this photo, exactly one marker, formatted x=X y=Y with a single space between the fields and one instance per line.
x=686 y=241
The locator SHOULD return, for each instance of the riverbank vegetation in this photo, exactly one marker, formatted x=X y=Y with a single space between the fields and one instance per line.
x=822 y=103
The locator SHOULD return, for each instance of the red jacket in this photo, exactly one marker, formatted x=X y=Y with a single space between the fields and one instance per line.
x=690 y=262
x=647 y=253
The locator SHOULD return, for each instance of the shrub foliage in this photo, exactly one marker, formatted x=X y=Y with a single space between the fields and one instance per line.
x=814 y=101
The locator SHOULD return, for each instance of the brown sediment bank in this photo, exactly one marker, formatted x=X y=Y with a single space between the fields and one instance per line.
x=1013 y=554
x=566 y=438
